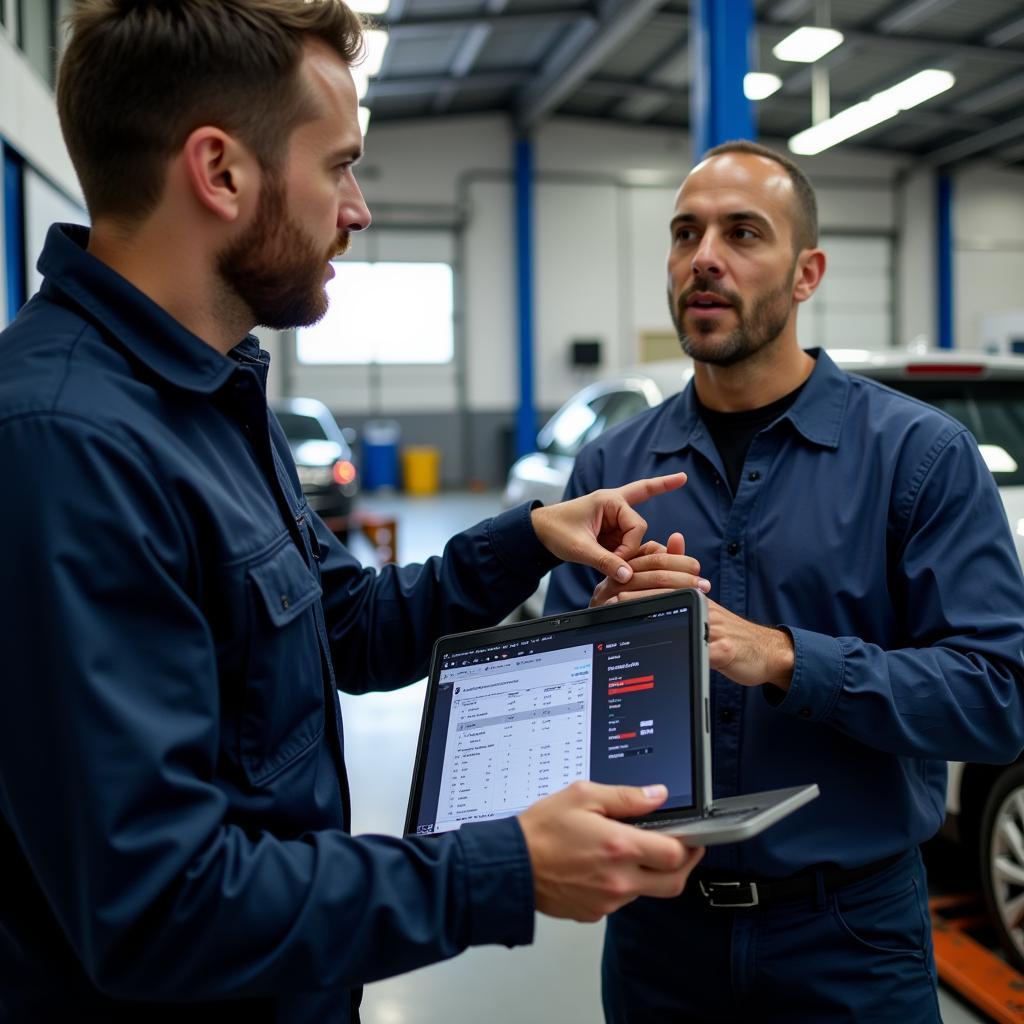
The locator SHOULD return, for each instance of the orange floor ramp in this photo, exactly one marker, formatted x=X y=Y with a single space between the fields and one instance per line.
x=980 y=976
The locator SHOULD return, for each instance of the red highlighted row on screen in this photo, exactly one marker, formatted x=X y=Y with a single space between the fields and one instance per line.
x=631 y=685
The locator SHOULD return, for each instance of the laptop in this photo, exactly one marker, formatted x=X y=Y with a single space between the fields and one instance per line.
x=616 y=694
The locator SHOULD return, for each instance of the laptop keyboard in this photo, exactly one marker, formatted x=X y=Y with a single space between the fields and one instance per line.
x=733 y=816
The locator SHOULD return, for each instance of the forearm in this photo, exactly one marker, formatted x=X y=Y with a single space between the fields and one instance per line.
x=382 y=625
x=938 y=702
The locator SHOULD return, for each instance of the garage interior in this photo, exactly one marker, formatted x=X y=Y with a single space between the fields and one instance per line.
x=528 y=152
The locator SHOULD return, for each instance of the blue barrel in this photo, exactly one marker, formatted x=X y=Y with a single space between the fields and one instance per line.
x=380 y=454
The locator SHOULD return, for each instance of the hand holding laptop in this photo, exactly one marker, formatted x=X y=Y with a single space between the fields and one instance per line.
x=586 y=865
x=601 y=529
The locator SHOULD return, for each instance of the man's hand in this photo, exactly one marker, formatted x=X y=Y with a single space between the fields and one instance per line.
x=585 y=865
x=747 y=653
x=657 y=569
x=743 y=651
x=601 y=529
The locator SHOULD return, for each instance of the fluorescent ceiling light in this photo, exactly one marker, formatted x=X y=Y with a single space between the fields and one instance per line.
x=807 y=44
x=376 y=43
x=759 y=85
x=364 y=119
x=369 y=6
x=880 y=107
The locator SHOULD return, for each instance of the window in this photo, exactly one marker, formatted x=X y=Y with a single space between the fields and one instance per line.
x=384 y=312
x=37 y=37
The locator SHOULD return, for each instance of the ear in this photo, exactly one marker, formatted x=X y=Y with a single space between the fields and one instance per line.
x=810 y=268
x=222 y=173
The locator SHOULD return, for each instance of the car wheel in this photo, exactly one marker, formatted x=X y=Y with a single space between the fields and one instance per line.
x=1002 y=860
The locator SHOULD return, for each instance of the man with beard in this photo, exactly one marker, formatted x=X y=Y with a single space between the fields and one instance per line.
x=866 y=626
x=175 y=620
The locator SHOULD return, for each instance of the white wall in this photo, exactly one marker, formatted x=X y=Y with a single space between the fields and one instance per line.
x=603 y=201
x=988 y=247
x=28 y=119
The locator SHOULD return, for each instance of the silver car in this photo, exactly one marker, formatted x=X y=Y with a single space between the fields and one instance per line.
x=985 y=803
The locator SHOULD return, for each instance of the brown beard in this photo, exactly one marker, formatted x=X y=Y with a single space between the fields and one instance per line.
x=757 y=328
x=274 y=267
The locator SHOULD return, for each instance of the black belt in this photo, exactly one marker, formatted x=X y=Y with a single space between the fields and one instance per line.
x=733 y=894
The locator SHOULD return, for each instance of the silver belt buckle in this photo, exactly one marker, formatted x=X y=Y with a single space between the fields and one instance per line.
x=730 y=894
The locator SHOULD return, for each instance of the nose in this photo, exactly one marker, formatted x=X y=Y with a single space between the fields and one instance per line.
x=353 y=213
x=706 y=260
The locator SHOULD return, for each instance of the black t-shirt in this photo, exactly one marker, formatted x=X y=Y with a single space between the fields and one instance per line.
x=732 y=432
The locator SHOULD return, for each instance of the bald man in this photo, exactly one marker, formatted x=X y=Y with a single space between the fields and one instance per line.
x=865 y=625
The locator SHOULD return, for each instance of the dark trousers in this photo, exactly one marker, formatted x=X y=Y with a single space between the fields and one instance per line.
x=860 y=954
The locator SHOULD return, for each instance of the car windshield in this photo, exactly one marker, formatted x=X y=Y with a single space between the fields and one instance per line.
x=993 y=412
x=301 y=428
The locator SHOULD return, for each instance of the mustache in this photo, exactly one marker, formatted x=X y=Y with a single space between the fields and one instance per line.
x=704 y=284
x=341 y=245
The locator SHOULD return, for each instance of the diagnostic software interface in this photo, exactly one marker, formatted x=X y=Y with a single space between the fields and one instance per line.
x=516 y=721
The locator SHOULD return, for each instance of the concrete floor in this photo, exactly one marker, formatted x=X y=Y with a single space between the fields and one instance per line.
x=555 y=979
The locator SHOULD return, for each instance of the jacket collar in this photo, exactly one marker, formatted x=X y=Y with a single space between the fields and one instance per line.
x=150 y=333
x=817 y=413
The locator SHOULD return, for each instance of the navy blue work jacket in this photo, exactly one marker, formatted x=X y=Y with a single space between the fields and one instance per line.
x=867 y=525
x=174 y=622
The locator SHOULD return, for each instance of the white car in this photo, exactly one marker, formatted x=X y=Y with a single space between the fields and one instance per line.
x=985 y=803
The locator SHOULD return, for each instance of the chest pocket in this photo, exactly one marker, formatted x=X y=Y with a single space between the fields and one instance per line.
x=283 y=707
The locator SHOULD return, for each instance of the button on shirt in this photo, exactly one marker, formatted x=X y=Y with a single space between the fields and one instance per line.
x=173 y=627
x=867 y=525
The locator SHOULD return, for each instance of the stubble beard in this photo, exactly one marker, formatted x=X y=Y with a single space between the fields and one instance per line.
x=756 y=330
x=274 y=268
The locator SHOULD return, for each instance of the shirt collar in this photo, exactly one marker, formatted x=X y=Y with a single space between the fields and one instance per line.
x=817 y=413
x=149 y=332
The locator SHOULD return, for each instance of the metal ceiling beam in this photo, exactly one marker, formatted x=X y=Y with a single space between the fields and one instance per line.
x=419 y=85
x=1005 y=32
x=429 y=24
x=909 y=15
x=915 y=45
x=789 y=10
x=1012 y=131
x=799 y=81
x=991 y=95
x=571 y=63
x=469 y=49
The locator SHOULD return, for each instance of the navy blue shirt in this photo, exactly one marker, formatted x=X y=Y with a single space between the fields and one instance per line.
x=867 y=525
x=174 y=622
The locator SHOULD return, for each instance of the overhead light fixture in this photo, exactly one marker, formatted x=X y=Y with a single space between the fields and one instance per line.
x=808 y=44
x=364 y=119
x=376 y=40
x=759 y=85
x=369 y=6
x=880 y=107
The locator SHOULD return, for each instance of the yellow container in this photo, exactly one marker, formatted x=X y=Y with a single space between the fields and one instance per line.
x=421 y=469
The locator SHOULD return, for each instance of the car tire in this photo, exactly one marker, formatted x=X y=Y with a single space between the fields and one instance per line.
x=1002 y=861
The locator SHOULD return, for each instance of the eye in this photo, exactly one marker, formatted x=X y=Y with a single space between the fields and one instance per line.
x=744 y=234
x=684 y=234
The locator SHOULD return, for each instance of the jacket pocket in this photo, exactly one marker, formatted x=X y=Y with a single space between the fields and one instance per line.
x=283 y=707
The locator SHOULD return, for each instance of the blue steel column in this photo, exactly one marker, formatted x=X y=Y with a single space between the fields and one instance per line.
x=944 y=264
x=14 y=231
x=720 y=40
x=526 y=417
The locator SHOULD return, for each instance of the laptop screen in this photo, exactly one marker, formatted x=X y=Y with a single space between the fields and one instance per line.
x=518 y=712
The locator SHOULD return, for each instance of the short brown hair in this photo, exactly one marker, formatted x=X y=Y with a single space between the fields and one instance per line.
x=805 y=225
x=138 y=76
